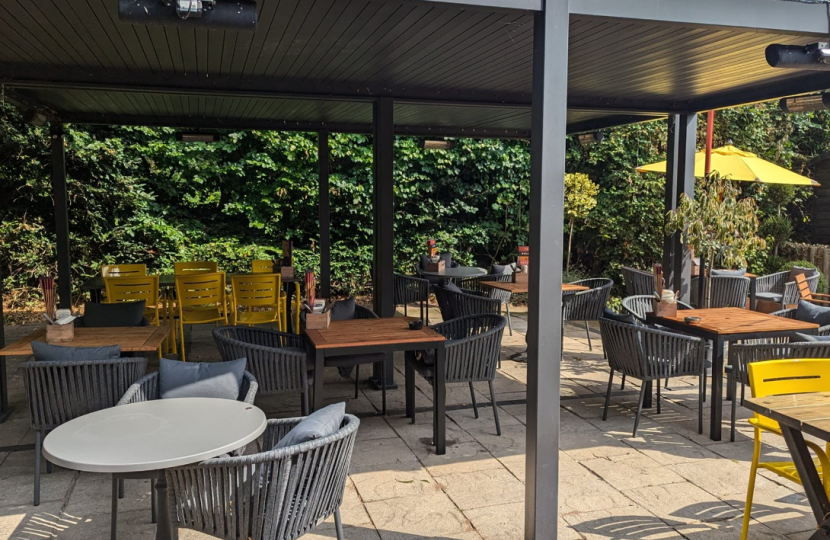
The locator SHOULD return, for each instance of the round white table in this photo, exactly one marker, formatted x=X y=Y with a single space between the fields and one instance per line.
x=153 y=436
x=458 y=272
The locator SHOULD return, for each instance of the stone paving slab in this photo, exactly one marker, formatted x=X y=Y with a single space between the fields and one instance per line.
x=668 y=482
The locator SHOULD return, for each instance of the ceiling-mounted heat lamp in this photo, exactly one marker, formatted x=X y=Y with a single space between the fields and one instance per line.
x=817 y=102
x=430 y=144
x=197 y=137
x=210 y=14
x=815 y=56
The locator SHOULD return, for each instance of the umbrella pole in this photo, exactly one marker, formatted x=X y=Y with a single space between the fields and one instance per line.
x=710 y=133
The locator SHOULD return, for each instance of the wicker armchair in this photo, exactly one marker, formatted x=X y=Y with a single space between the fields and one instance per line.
x=62 y=391
x=474 y=284
x=790 y=314
x=460 y=304
x=777 y=288
x=277 y=360
x=410 y=290
x=473 y=348
x=587 y=305
x=722 y=291
x=651 y=355
x=638 y=282
x=741 y=355
x=641 y=305
x=273 y=495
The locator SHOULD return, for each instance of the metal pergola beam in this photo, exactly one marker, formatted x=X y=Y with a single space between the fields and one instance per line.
x=493 y=5
x=772 y=16
x=544 y=330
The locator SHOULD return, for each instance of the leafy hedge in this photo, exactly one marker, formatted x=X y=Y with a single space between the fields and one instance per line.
x=137 y=194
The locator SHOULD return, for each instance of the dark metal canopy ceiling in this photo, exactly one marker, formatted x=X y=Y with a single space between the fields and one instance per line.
x=452 y=69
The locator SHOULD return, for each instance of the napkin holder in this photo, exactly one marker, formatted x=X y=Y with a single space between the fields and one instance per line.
x=318 y=321
x=57 y=333
x=286 y=272
x=436 y=266
x=665 y=309
x=520 y=277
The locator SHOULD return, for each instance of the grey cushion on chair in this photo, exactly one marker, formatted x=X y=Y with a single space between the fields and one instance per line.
x=501 y=269
x=619 y=317
x=809 y=312
x=425 y=260
x=315 y=426
x=116 y=314
x=800 y=270
x=808 y=338
x=451 y=286
x=343 y=310
x=769 y=296
x=221 y=380
x=732 y=273
x=57 y=353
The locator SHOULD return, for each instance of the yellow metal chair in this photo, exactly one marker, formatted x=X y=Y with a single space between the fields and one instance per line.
x=112 y=270
x=781 y=377
x=261 y=298
x=200 y=298
x=133 y=289
x=261 y=266
x=191 y=267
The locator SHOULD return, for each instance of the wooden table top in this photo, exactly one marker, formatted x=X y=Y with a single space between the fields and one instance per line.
x=522 y=287
x=809 y=413
x=732 y=320
x=131 y=339
x=367 y=332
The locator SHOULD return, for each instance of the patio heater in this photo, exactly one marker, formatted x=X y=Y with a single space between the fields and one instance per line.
x=815 y=56
x=210 y=14
x=817 y=102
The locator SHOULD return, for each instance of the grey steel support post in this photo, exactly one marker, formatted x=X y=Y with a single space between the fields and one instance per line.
x=5 y=409
x=61 y=215
x=383 y=272
x=680 y=179
x=544 y=331
x=325 y=214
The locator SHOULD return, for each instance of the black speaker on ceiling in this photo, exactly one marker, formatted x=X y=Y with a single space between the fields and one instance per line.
x=211 y=14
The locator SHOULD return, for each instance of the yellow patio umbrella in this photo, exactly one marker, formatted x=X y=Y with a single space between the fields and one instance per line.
x=736 y=164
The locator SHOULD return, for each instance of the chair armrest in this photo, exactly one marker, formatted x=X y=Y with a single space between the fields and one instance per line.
x=144 y=389
x=248 y=389
x=277 y=429
x=786 y=313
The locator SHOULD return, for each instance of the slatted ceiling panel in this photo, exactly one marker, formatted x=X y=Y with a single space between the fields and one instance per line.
x=456 y=116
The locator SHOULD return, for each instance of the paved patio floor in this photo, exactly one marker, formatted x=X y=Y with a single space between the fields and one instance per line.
x=669 y=482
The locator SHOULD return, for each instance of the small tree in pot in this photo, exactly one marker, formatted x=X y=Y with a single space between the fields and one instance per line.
x=580 y=199
x=717 y=225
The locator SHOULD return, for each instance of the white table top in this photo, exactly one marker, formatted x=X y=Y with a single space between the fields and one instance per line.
x=153 y=435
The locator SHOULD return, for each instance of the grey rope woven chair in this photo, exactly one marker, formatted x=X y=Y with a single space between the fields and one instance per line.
x=474 y=284
x=728 y=291
x=778 y=288
x=649 y=354
x=586 y=305
x=637 y=282
x=641 y=305
x=277 y=494
x=147 y=389
x=460 y=304
x=58 y=392
x=790 y=314
x=743 y=354
x=473 y=348
x=278 y=361
x=411 y=290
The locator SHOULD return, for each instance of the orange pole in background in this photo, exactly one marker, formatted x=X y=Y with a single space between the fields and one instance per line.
x=710 y=133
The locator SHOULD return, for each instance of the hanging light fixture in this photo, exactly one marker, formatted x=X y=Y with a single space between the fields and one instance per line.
x=210 y=14
x=436 y=145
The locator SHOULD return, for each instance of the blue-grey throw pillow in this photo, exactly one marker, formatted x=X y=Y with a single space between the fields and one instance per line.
x=809 y=312
x=734 y=273
x=116 y=314
x=317 y=425
x=343 y=310
x=57 y=353
x=501 y=269
x=425 y=260
x=221 y=380
x=447 y=258
x=808 y=338
x=619 y=317
x=800 y=270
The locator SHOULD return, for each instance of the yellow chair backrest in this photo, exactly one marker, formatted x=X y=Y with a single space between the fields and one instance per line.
x=256 y=290
x=201 y=289
x=262 y=267
x=110 y=270
x=196 y=267
x=783 y=377
x=133 y=289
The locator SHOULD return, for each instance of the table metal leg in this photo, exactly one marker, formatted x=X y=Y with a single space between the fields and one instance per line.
x=164 y=528
x=439 y=400
x=810 y=480
x=318 y=379
x=717 y=390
